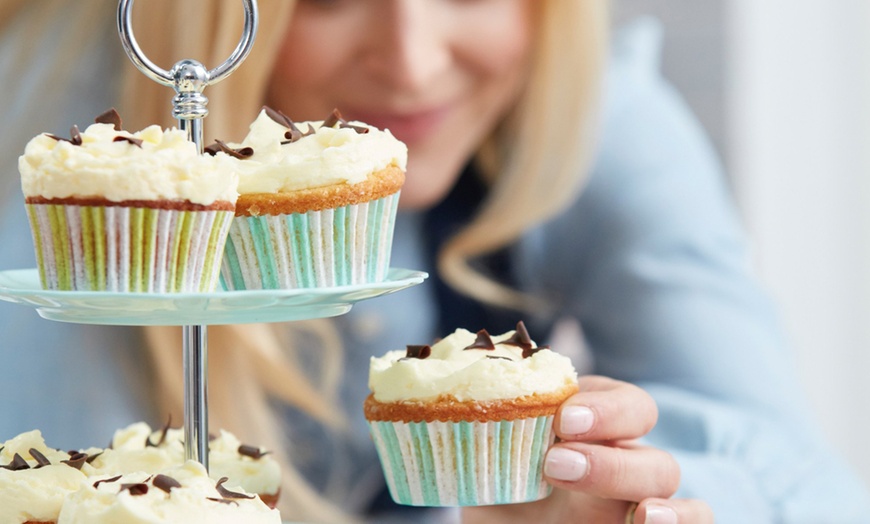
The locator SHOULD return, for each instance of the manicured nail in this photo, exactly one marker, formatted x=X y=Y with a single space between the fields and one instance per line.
x=660 y=515
x=565 y=464
x=576 y=420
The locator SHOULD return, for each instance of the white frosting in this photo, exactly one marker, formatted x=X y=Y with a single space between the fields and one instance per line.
x=166 y=167
x=35 y=494
x=129 y=453
x=190 y=504
x=468 y=375
x=332 y=155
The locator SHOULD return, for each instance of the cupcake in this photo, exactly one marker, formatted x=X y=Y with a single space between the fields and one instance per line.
x=181 y=494
x=467 y=421
x=317 y=204
x=36 y=479
x=139 y=448
x=127 y=212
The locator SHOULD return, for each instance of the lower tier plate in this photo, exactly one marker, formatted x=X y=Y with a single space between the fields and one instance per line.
x=21 y=286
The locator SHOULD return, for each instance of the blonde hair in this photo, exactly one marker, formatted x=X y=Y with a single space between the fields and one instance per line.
x=535 y=161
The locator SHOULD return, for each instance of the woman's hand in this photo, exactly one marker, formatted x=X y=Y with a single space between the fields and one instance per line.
x=598 y=469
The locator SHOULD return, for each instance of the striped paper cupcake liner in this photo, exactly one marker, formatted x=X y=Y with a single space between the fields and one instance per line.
x=464 y=463
x=334 y=247
x=128 y=249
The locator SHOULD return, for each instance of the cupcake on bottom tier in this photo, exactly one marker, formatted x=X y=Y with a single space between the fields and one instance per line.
x=127 y=212
x=468 y=420
x=36 y=479
x=184 y=494
x=317 y=204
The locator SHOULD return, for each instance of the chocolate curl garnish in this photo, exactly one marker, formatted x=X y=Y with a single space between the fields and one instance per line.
x=483 y=341
x=222 y=501
x=278 y=117
x=520 y=338
x=110 y=117
x=113 y=479
x=165 y=483
x=359 y=129
x=500 y=358
x=75 y=136
x=18 y=463
x=90 y=458
x=219 y=145
x=227 y=494
x=76 y=460
x=333 y=118
x=41 y=460
x=129 y=139
x=136 y=489
x=149 y=444
x=252 y=451
x=419 y=352
x=527 y=352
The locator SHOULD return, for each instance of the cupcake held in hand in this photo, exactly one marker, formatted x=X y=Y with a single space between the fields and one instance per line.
x=468 y=420
x=127 y=212
x=317 y=203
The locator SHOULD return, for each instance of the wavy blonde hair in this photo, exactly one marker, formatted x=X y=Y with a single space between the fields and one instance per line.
x=540 y=152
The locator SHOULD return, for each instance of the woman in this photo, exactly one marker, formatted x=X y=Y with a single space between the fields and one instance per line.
x=521 y=203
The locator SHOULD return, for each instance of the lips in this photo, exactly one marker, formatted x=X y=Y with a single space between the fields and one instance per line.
x=409 y=127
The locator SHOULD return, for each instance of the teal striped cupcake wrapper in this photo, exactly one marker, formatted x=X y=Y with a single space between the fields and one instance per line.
x=127 y=249
x=348 y=245
x=464 y=463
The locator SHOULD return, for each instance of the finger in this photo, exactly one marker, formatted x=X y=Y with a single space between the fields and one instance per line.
x=612 y=472
x=673 y=511
x=605 y=409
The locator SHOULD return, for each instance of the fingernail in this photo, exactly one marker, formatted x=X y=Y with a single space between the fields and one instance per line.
x=576 y=420
x=660 y=515
x=565 y=464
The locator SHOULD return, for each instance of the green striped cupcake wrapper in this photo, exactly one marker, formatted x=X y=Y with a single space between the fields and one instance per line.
x=128 y=249
x=464 y=463
x=348 y=245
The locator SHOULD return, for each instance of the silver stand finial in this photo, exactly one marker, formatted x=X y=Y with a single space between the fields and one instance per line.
x=189 y=78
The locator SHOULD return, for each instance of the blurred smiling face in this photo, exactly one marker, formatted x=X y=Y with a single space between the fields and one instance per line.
x=439 y=74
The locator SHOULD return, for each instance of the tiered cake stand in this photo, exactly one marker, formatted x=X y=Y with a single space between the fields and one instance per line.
x=193 y=311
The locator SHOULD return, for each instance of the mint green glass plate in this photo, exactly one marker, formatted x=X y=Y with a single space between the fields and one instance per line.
x=21 y=286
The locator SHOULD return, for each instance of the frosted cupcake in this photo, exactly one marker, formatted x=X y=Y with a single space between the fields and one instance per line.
x=317 y=204
x=36 y=479
x=127 y=212
x=182 y=494
x=468 y=420
x=139 y=448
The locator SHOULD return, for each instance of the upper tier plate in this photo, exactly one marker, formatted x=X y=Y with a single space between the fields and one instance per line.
x=22 y=286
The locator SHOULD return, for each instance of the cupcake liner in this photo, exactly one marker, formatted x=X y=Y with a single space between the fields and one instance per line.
x=127 y=249
x=464 y=463
x=333 y=247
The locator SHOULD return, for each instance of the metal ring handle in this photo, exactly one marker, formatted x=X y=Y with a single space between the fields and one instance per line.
x=162 y=76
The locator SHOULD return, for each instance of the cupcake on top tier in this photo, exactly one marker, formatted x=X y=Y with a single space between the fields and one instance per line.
x=184 y=494
x=36 y=479
x=467 y=421
x=317 y=203
x=129 y=212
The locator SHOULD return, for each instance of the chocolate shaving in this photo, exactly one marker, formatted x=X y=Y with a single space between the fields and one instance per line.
x=359 y=129
x=41 y=460
x=278 y=117
x=165 y=483
x=113 y=479
x=227 y=494
x=420 y=352
x=527 y=352
x=139 y=488
x=212 y=437
x=333 y=118
x=520 y=338
x=251 y=451
x=90 y=458
x=149 y=444
x=111 y=116
x=129 y=139
x=483 y=341
x=222 y=501
x=18 y=463
x=500 y=358
x=76 y=460
x=219 y=145
x=75 y=136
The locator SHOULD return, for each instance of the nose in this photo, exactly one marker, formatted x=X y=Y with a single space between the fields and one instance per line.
x=410 y=43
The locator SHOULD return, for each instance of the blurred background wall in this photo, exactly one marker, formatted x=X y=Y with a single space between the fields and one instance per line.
x=783 y=88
